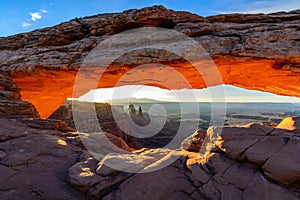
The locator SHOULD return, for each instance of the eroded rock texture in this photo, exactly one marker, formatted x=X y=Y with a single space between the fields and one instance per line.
x=250 y=162
x=252 y=51
x=10 y=103
x=33 y=162
x=46 y=159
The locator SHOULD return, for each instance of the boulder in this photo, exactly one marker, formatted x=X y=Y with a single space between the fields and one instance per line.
x=194 y=142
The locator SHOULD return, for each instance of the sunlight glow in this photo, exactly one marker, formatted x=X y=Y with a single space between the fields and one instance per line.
x=61 y=142
x=149 y=93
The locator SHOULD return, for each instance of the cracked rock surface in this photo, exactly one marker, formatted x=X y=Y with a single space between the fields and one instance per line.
x=249 y=162
x=45 y=159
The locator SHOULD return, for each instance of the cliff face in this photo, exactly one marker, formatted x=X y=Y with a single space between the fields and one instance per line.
x=252 y=51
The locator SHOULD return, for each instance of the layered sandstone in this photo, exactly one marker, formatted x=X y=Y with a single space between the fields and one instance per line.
x=10 y=103
x=254 y=51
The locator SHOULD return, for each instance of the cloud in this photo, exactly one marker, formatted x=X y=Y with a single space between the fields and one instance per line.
x=43 y=11
x=25 y=24
x=35 y=16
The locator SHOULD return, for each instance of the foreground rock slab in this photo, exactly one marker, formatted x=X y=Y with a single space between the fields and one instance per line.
x=34 y=162
x=236 y=167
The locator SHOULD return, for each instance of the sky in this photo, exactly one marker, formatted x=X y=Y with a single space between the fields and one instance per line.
x=17 y=16
x=231 y=94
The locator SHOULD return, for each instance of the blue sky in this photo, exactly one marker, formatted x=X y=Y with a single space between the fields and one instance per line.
x=18 y=16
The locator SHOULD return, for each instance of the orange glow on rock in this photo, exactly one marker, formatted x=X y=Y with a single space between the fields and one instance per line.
x=48 y=89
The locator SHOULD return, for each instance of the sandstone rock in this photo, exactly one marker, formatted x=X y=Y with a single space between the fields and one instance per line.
x=284 y=165
x=128 y=163
x=10 y=104
x=64 y=113
x=107 y=185
x=105 y=119
x=82 y=176
x=275 y=151
x=160 y=184
x=214 y=175
x=194 y=142
x=49 y=124
x=199 y=174
x=236 y=140
x=239 y=176
x=53 y=45
x=34 y=165
x=264 y=149
x=260 y=188
x=290 y=123
x=243 y=46
x=103 y=143
x=105 y=170
x=235 y=164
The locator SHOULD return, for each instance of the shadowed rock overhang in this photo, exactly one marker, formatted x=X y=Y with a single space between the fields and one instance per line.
x=254 y=51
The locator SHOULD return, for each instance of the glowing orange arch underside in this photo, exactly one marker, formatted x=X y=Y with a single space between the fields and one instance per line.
x=48 y=89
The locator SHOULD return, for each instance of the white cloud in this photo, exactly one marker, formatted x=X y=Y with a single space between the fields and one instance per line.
x=25 y=24
x=43 y=11
x=35 y=16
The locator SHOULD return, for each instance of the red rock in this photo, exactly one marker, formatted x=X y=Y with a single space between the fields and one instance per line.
x=243 y=46
x=10 y=103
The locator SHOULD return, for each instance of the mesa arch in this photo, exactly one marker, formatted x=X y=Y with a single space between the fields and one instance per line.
x=253 y=51
x=48 y=89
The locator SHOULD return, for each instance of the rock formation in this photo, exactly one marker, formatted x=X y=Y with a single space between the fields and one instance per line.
x=250 y=162
x=105 y=118
x=10 y=103
x=35 y=154
x=46 y=159
x=290 y=123
x=194 y=142
x=254 y=51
